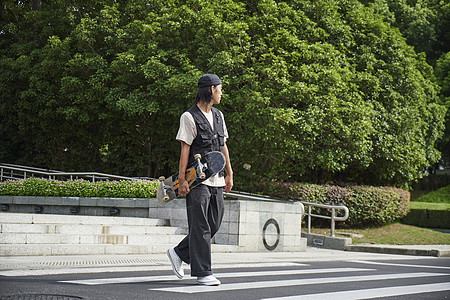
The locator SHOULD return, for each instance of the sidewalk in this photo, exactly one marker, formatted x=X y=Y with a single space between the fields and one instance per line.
x=41 y=265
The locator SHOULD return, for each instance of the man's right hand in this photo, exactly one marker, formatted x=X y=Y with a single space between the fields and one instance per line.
x=183 y=188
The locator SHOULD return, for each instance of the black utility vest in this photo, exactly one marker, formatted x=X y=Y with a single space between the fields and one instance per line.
x=208 y=139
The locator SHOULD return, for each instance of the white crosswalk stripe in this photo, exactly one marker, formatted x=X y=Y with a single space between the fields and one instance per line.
x=16 y=273
x=292 y=282
x=398 y=265
x=372 y=293
x=220 y=275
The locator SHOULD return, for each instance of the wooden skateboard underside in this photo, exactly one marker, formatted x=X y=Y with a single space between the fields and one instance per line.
x=200 y=170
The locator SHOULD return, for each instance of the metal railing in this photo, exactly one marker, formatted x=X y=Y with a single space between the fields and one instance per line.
x=333 y=216
x=333 y=208
x=8 y=171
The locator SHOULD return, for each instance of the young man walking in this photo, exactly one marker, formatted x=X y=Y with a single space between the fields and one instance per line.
x=202 y=129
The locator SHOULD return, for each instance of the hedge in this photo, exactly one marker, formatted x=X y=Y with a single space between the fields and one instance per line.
x=428 y=218
x=79 y=188
x=427 y=214
x=368 y=205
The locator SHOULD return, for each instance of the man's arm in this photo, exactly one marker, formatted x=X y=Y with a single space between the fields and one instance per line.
x=228 y=169
x=183 y=188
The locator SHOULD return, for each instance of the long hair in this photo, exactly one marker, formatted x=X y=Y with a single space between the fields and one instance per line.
x=204 y=94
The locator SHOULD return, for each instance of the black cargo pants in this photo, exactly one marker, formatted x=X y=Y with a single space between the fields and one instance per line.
x=205 y=209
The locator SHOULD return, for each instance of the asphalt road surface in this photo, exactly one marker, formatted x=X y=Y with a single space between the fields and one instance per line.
x=353 y=279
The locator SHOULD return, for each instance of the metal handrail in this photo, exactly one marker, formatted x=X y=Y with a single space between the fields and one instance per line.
x=53 y=175
x=27 y=167
x=333 y=208
x=236 y=194
x=333 y=216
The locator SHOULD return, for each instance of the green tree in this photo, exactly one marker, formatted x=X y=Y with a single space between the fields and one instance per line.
x=442 y=78
x=316 y=91
x=424 y=24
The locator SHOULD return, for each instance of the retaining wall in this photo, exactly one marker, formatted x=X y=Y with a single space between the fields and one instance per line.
x=248 y=224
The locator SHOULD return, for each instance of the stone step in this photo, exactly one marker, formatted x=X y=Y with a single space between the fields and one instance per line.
x=74 y=239
x=89 y=229
x=15 y=218
x=34 y=234
x=81 y=249
x=94 y=249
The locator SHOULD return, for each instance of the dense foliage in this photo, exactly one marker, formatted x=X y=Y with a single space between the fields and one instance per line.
x=425 y=25
x=314 y=91
x=79 y=188
x=368 y=205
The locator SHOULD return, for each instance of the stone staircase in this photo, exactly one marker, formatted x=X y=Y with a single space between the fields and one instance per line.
x=43 y=234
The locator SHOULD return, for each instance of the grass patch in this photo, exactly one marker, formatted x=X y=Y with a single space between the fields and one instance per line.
x=430 y=206
x=394 y=234
x=441 y=195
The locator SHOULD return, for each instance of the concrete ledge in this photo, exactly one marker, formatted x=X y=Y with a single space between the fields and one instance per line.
x=416 y=250
x=129 y=207
x=326 y=242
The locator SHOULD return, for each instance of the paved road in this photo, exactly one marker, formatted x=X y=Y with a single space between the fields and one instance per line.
x=352 y=278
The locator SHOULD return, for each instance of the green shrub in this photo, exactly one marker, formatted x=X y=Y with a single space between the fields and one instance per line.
x=79 y=188
x=428 y=218
x=367 y=205
x=441 y=195
x=431 y=210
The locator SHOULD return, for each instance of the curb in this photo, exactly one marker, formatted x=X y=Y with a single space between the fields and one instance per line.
x=384 y=249
x=326 y=242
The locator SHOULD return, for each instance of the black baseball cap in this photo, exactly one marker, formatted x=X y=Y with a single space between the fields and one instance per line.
x=209 y=80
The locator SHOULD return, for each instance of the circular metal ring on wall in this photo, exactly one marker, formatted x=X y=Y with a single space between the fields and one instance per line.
x=274 y=222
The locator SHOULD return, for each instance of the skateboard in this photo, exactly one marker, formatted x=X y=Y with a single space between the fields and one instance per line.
x=198 y=171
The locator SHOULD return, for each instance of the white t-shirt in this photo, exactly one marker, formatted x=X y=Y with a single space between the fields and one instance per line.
x=188 y=132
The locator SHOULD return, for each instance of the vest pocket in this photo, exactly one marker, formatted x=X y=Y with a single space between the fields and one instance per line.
x=221 y=138
x=206 y=140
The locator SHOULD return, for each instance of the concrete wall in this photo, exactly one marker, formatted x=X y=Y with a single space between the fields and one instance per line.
x=251 y=225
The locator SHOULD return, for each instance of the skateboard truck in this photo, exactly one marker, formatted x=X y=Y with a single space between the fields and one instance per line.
x=165 y=188
x=200 y=168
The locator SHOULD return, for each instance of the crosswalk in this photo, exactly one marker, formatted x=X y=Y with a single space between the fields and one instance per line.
x=220 y=275
x=291 y=282
x=361 y=280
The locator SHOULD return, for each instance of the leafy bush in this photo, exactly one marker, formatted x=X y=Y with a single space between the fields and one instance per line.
x=441 y=195
x=367 y=205
x=79 y=188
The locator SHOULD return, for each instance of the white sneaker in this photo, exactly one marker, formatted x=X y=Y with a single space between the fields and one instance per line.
x=177 y=263
x=208 y=280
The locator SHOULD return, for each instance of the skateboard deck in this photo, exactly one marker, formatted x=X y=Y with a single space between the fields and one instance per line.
x=197 y=172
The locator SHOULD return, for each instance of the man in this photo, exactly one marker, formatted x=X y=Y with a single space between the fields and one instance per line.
x=202 y=129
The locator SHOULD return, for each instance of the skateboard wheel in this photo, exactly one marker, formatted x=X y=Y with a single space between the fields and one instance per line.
x=197 y=156
x=166 y=198
x=162 y=178
x=202 y=176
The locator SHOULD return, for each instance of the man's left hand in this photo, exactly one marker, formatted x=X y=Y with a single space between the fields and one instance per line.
x=228 y=184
